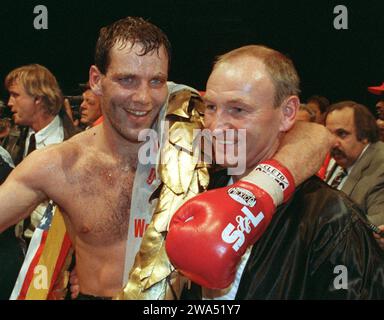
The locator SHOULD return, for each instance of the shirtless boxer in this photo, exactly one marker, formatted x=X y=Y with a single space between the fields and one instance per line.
x=90 y=177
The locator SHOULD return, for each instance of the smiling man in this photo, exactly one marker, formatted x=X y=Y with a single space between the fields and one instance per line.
x=97 y=180
x=91 y=176
x=236 y=248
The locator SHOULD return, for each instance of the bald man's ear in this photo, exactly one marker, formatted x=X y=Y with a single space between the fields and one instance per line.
x=288 y=110
x=95 y=80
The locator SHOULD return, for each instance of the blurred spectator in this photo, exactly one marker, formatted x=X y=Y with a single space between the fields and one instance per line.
x=380 y=109
x=305 y=114
x=6 y=139
x=319 y=105
x=36 y=103
x=380 y=124
x=90 y=108
x=5 y=112
x=68 y=109
x=358 y=166
x=5 y=129
x=6 y=164
x=11 y=253
x=379 y=90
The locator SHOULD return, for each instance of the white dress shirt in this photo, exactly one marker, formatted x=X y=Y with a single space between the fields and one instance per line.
x=51 y=134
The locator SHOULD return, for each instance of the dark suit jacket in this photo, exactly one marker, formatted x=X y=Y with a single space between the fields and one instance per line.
x=11 y=253
x=365 y=183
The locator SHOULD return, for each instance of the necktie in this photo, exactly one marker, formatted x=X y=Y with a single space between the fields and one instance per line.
x=32 y=144
x=20 y=145
x=339 y=177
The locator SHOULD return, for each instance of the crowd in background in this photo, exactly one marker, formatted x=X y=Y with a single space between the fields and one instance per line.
x=36 y=115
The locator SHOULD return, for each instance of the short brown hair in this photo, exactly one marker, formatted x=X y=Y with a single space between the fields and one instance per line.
x=279 y=67
x=133 y=30
x=38 y=81
x=311 y=113
x=365 y=123
x=321 y=101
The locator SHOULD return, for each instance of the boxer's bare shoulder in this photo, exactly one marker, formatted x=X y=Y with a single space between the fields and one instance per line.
x=95 y=188
x=90 y=185
x=47 y=167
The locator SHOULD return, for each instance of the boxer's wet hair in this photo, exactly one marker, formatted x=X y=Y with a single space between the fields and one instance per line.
x=130 y=30
x=279 y=67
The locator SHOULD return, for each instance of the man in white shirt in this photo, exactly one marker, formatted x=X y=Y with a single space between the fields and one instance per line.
x=36 y=100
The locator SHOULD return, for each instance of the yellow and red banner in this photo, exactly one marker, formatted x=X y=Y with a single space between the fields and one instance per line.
x=42 y=274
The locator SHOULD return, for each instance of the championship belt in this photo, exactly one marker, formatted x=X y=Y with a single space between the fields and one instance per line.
x=183 y=174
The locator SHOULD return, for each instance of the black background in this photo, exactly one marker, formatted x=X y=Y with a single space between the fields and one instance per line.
x=339 y=64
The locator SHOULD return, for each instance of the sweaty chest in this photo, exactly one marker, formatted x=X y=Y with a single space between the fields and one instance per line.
x=99 y=206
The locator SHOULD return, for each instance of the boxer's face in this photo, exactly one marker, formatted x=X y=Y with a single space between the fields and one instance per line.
x=347 y=147
x=240 y=95
x=133 y=89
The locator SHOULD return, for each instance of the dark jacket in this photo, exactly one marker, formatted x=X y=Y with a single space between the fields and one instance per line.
x=365 y=183
x=309 y=238
x=11 y=253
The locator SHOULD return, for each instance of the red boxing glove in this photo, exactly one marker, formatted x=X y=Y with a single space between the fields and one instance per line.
x=209 y=233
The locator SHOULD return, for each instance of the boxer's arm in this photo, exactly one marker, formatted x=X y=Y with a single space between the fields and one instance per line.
x=303 y=149
x=20 y=193
x=301 y=153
